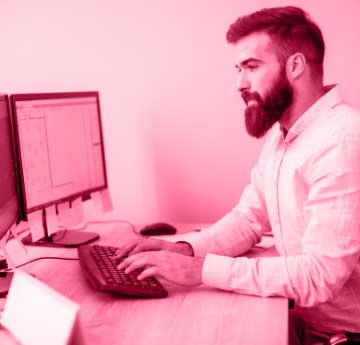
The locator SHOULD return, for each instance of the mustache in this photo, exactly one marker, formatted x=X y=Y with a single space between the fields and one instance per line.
x=248 y=96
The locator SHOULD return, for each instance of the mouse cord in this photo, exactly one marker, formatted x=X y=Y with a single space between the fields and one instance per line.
x=112 y=221
x=36 y=259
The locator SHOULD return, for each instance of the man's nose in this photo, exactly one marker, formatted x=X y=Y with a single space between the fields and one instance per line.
x=243 y=82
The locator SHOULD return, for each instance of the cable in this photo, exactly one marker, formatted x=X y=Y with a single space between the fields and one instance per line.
x=36 y=259
x=120 y=221
x=10 y=235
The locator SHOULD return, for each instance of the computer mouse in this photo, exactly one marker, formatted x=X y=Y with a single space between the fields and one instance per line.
x=159 y=228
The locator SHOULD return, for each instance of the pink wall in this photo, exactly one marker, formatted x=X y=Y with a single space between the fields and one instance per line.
x=175 y=140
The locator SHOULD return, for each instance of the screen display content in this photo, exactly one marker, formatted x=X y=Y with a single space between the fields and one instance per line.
x=60 y=147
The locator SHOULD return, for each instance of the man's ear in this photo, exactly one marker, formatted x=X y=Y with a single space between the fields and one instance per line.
x=295 y=65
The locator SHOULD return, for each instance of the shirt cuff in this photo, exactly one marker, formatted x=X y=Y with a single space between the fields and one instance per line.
x=216 y=271
x=199 y=244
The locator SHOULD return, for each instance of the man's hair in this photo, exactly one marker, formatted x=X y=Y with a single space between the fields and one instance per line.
x=291 y=30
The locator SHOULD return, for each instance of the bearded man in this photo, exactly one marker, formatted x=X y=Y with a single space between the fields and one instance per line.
x=305 y=188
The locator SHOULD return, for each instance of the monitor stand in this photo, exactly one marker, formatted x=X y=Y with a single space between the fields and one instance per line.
x=61 y=238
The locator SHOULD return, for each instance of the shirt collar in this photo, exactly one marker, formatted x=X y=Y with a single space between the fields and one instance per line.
x=331 y=98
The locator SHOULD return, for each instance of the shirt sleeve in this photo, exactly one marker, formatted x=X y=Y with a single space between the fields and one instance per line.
x=240 y=229
x=331 y=241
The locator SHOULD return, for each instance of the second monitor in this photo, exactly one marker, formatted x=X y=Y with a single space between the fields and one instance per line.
x=60 y=150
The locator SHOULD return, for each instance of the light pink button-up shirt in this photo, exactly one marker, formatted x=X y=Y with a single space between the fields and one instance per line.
x=306 y=189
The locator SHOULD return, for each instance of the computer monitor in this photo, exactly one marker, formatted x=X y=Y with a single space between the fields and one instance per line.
x=9 y=206
x=61 y=156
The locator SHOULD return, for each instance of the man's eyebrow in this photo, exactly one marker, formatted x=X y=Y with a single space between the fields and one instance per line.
x=247 y=61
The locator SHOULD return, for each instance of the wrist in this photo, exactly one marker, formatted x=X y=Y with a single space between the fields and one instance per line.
x=184 y=248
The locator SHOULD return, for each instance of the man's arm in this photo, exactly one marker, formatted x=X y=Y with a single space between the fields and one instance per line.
x=330 y=244
x=240 y=229
x=182 y=262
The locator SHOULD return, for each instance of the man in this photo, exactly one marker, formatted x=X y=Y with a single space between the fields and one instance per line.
x=305 y=187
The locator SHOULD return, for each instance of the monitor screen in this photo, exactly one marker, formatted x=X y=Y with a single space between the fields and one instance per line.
x=60 y=147
x=9 y=210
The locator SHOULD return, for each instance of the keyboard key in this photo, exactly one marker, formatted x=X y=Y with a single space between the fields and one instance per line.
x=100 y=269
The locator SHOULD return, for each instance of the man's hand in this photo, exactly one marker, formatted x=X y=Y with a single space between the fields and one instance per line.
x=140 y=244
x=176 y=268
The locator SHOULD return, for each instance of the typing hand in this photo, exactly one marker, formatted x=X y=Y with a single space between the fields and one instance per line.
x=176 y=268
x=137 y=245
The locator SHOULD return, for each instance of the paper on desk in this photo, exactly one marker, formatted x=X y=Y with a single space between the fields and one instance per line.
x=38 y=315
x=14 y=232
x=36 y=225
x=71 y=216
x=77 y=210
x=51 y=219
x=96 y=198
x=64 y=213
x=102 y=200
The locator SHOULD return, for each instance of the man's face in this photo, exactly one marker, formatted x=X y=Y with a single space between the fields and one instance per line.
x=262 y=83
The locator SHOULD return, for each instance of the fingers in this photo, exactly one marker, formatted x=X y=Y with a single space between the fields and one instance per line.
x=125 y=249
x=136 y=261
x=132 y=263
x=146 y=273
x=174 y=267
x=131 y=247
x=145 y=260
x=138 y=245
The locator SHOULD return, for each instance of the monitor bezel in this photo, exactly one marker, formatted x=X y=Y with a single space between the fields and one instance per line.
x=85 y=194
x=5 y=97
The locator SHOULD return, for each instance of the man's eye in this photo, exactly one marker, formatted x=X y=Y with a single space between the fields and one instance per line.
x=252 y=67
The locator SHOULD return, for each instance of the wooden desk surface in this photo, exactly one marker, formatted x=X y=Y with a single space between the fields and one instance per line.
x=197 y=316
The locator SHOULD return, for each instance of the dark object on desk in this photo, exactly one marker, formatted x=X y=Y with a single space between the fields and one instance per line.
x=3 y=263
x=5 y=282
x=100 y=269
x=155 y=229
x=61 y=238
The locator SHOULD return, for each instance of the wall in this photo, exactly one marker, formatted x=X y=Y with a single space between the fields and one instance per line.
x=176 y=146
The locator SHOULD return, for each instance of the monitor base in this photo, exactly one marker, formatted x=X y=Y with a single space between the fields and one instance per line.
x=63 y=238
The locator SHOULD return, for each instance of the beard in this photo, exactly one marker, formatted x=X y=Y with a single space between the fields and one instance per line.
x=261 y=114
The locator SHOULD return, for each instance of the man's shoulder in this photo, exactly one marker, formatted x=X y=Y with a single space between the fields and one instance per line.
x=342 y=120
x=344 y=107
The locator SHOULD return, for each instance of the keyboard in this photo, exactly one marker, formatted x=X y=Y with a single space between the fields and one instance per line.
x=100 y=269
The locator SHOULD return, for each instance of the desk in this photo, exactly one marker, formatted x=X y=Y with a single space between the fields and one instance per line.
x=197 y=316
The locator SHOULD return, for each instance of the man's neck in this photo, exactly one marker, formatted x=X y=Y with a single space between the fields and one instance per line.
x=302 y=101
